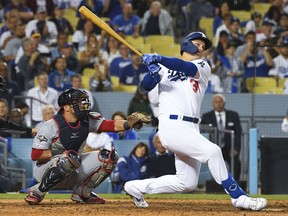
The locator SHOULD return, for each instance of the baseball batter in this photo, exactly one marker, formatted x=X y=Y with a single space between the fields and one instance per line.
x=57 y=150
x=182 y=84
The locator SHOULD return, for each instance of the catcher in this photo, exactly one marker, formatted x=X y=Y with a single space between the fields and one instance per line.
x=57 y=149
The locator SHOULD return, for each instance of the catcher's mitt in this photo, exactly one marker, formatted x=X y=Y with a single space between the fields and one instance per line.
x=136 y=120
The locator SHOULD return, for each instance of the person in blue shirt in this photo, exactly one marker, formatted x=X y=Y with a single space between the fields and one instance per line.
x=120 y=62
x=131 y=167
x=129 y=22
x=60 y=78
x=133 y=73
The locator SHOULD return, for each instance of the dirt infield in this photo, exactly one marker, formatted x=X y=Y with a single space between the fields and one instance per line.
x=157 y=207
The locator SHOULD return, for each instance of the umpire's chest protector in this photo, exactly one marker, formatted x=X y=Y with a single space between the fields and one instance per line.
x=72 y=137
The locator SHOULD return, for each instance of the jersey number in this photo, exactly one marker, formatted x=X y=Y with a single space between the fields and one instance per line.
x=195 y=85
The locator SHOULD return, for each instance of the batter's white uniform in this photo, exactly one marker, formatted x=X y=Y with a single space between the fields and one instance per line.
x=181 y=96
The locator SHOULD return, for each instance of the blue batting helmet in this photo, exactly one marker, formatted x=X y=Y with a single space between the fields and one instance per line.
x=188 y=46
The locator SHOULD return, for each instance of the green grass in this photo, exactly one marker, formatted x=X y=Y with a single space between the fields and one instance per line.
x=158 y=196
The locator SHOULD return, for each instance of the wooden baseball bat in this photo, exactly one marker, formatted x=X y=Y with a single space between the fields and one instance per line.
x=97 y=21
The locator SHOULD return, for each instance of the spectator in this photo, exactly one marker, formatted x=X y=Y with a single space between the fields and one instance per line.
x=280 y=63
x=127 y=21
x=25 y=109
x=266 y=32
x=80 y=37
x=162 y=162
x=41 y=16
x=157 y=21
x=120 y=62
x=214 y=82
x=229 y=72
x=19 y=7
x=4 y=113
x=223 y=43
x=69 y=53
x=91 y=54
x=127 y=135
x=282 y=28
x=240 y=5
x=96 y=141
x=16 y=116
x=131 y=167
x=218 y=19
x=139 y=102
x=94 y=5
x=224 y=27
x=46 y=38
x=222 y=119
x=47 y=5
x=44 y=95
x=112 y=8
x=111 y=49
x=254 y=23
x=7 y=34
x=76 y=82
x=235 y=35
x=41 y=48
x=9 y=25
x=62 y=40
x=30 y=64
x=62 y=24
x=250 y=41
x=60 y=77
x=101 y=80
x=256 y=62
x=48 y=112
x=12 y=45
x=12 y=88
x=133 y=73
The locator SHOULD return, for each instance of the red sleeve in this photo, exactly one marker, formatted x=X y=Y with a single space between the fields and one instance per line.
x=107 y=126
x=36 y=154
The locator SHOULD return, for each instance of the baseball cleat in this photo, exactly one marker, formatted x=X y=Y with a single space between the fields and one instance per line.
x=245 y=202
x=140 y=203
x=33 y=199
x=92 y=199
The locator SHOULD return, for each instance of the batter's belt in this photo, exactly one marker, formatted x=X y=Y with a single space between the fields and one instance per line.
x=184 y=118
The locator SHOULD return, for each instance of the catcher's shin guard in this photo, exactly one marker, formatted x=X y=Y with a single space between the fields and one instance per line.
x=68 y=162
x=109 y=160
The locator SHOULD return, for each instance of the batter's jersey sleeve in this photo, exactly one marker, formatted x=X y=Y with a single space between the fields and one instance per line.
x=204 y=70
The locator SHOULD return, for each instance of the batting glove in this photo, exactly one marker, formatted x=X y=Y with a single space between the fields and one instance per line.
x=151 y=58
x=154 y=69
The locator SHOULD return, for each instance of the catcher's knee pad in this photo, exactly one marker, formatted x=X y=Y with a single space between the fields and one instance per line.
x=68 y=162
x=109 y=160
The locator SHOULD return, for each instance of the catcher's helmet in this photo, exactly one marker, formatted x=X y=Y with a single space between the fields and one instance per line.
x=188 y=46
x=78 y=99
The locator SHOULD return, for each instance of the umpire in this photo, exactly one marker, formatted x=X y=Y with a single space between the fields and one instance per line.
x=226 y=119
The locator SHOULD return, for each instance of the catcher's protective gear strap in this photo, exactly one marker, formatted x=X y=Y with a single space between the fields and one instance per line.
x=36 y=154
x=109 y=159
x=232 y=188
x=188 y=68
x=13 y=128
x=149 y=82
x=51 y=178
x=107 y=126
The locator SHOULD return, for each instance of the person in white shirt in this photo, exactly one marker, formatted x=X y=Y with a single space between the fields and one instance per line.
x=280 y=63
x=254 y=23
x=41 y=16
x=43 y=95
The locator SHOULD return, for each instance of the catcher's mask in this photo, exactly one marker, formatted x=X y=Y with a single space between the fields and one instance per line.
x=78 y=99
